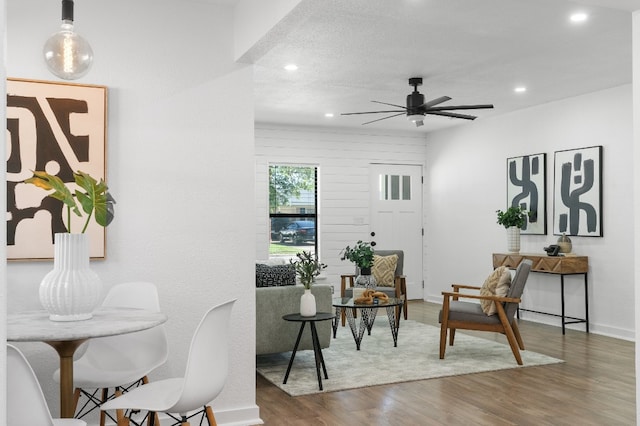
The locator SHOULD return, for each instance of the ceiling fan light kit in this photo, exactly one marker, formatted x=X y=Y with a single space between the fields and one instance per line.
x=416 y=108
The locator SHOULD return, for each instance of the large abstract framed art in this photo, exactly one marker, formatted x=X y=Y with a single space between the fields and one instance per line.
x=578 y=192
x=59 y=128
x=526 y=187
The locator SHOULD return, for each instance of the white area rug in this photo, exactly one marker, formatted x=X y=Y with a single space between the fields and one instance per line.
x=415 y=358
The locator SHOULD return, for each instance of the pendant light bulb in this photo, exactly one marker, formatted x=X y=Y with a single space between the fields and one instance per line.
x=67 y=54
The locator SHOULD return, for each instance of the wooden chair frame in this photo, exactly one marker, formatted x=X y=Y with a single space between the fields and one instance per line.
x=506 y=327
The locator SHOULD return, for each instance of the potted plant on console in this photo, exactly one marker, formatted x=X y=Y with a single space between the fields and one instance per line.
x=513 y=219
x=362 y=256
x=307 y=267
x=71 y=291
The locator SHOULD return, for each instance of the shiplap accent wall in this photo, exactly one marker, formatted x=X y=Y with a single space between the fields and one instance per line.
x=342 y=157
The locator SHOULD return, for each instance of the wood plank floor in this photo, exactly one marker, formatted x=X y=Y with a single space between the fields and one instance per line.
x=595 y=386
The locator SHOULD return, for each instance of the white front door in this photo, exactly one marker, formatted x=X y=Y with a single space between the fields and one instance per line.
x=396 y=217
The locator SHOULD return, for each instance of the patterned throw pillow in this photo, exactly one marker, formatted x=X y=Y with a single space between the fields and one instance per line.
x=273 y=276
x=384 y=270
x=496 y=284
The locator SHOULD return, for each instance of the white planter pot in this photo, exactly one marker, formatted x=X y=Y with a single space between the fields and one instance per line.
x=307 y=304
x=71 y=291
x=513 y=239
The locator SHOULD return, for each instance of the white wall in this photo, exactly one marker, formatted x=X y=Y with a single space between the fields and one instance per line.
x=180 y=162
x=466 y=179
x=465 y=183
x=343 y=157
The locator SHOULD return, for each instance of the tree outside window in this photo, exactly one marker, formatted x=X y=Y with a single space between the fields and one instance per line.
x=292 y=210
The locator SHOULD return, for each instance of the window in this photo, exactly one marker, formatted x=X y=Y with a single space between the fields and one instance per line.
x=293 y=200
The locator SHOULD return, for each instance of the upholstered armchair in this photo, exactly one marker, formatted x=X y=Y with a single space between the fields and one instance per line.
x=495 y=312
x=395 y=286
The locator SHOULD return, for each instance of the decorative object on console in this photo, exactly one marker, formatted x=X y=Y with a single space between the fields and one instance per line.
x=565 y=243
x=513 y=219
x=71 y=291
x=67 y=54
x=552 y=250
x=526 y=187
x=307 y=267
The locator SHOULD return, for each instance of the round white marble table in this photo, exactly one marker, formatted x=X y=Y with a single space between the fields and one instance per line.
x=66 y=337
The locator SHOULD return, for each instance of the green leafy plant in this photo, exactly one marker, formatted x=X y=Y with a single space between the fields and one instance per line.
x=307 y=267
x=95 y=200
x=361 y=254
x=513 y=216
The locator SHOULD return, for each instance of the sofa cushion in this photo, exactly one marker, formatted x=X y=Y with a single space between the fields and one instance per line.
x=496 y=284
x=384 y=269
x=277 y=275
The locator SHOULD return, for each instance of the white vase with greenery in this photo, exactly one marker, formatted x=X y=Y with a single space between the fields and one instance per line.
x=72 y=290
x=307 y=268
x=513 y=219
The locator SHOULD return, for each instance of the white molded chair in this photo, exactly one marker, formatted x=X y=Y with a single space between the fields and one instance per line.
x=119 y=362
x=204 y=378
x=26 y=405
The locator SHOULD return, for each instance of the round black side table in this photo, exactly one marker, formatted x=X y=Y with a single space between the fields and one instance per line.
x=317 y=352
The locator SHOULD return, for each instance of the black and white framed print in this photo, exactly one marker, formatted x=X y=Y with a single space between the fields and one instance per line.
x=526 y=188
x=59 y=128
x=577 y=200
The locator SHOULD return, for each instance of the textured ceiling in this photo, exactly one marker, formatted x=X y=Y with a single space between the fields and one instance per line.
x=352 y=52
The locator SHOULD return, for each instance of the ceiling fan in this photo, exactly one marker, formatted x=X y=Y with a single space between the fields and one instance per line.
x=417 y=108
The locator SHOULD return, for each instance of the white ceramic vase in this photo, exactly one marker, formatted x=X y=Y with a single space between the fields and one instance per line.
x=307 y=304
x=71 y=291
x=513 y=239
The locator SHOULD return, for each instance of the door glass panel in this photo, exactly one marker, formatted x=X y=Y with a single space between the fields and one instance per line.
x=406 y=187
x=395 y=187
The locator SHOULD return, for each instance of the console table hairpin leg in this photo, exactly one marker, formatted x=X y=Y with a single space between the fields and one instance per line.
x=573 y=320
x=552 y=265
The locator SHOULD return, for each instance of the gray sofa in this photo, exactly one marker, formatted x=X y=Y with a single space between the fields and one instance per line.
x=273 y=334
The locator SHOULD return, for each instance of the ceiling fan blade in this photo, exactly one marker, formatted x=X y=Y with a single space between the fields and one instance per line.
x=371 y=112
x=452 y=115
x=384 y=103
x=384 y=118
x=453 y=107
x=436 y=101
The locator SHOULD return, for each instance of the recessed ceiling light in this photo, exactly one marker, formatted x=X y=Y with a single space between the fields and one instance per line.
x=578 y=17
x=329 y=115
x=520 y=89
x=291 y=67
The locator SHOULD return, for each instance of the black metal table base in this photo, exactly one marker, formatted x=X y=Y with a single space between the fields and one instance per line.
x=317 y=351
x=367 y=318
x=565 y=318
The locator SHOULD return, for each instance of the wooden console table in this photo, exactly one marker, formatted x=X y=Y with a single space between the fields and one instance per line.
x=557 y=265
